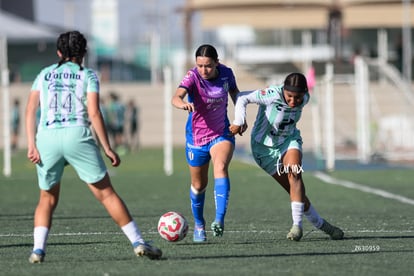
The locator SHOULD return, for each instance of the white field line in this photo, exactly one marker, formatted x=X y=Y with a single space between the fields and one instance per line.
x=265 y=232
x=348 y=184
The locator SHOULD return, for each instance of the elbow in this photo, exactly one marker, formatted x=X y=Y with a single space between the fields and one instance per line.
x=93 y=115
x=175 y=101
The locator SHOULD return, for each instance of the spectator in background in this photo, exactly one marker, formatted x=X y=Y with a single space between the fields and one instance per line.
x=355 y=54
x=116 y=120
x=311 y=78
x=15 y=123
x=132 y=119
x=104 y=111
x=399 y=52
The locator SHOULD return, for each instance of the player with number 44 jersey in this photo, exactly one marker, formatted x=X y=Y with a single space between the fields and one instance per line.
x=67 y=94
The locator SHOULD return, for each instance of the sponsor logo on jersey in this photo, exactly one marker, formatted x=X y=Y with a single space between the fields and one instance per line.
x=70 y=76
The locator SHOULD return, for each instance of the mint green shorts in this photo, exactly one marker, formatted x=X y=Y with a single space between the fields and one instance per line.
x=270 y=158
x=73 y=146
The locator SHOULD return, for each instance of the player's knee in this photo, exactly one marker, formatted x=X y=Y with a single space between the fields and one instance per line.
x=295 y=171
x=197 y=189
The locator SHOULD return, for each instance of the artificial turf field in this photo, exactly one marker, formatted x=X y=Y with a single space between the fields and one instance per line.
x=379 y=231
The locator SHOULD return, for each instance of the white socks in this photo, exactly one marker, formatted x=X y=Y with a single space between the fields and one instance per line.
x=314 y=217
x=311 y=214
x=297 y=212
x=132 y=232
x=40 y=234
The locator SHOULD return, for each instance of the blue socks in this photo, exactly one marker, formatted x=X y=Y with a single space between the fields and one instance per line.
x=221 y=197
x=197 y=206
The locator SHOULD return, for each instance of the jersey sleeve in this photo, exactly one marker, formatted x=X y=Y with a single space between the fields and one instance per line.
x=233 y=84
x=37 y=83
x=261 y=96
x=92 y=82
x=188 y=80
x=243 y=98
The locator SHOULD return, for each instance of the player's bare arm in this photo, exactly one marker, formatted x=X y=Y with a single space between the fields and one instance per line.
x=32 y=105
x=96 y=118
x=179 y=102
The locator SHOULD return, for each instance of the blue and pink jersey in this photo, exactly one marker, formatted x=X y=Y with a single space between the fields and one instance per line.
x=210 y=99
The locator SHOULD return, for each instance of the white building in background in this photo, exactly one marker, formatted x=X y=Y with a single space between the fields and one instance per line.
x=105 y=27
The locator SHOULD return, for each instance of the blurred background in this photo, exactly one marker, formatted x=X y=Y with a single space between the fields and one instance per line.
x=127 y=38
x=358 y=52
x=120 y=34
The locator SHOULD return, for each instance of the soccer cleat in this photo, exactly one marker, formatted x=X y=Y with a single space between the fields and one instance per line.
x=295 y=233
x=199 y=234
x=334 y=232
x=37 y=256
x=145 y=249
x=217 y=228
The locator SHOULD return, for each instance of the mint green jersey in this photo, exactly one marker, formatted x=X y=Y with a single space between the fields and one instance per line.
x=63 y=92
x=275 y=120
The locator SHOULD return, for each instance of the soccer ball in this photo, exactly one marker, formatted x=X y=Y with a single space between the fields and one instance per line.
x=173 y=226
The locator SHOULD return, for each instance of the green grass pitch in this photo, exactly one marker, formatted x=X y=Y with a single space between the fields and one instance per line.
x=379 y=232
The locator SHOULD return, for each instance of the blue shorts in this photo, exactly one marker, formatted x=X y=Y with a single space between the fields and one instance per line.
x=270 y=158
x=200 y=155
x=62 y=146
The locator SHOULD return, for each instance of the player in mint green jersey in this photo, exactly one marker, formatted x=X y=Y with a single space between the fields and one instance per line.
x=68 y=96
x=276 y=145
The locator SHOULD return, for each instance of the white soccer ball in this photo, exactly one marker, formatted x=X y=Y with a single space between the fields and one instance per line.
x=173 y=226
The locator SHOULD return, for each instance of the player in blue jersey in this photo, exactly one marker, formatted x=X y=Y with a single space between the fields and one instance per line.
x=68 y=94
x=207 y=87
x=276 y=145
